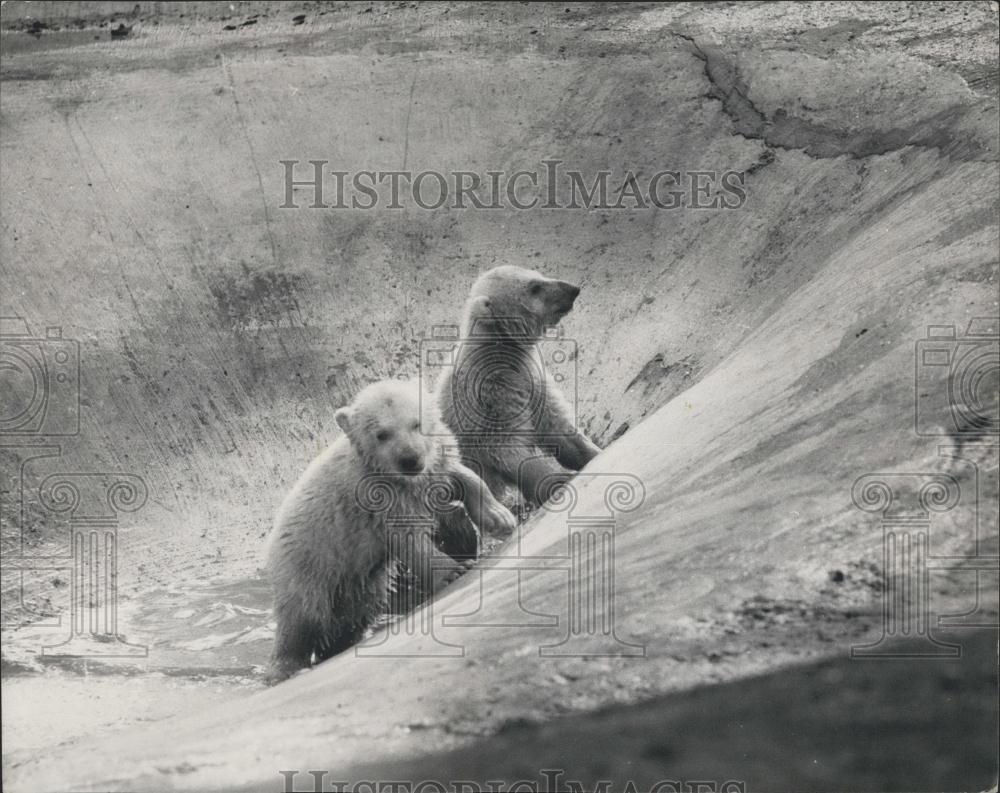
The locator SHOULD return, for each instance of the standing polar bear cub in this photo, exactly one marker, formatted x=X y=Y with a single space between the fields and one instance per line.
x=332 y=560
x=512 y=423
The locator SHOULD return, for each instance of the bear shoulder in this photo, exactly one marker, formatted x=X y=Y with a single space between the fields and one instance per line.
x=316 y=515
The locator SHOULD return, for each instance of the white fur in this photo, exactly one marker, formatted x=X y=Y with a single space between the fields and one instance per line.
x=328 y=558
x=498 y=400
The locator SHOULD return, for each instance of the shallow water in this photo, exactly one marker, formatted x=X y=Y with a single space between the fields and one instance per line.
x=186 y=650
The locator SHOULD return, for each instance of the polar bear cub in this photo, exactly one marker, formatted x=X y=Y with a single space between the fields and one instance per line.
x=332 y=558
x=500 y=401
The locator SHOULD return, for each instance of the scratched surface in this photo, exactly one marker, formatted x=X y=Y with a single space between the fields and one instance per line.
x=748 y=365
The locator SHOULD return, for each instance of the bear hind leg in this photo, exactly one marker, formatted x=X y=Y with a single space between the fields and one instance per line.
x=345 y=638
x=294 y=641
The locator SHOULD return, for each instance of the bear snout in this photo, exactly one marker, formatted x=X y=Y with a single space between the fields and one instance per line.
x=566 y=297
x=410 y=463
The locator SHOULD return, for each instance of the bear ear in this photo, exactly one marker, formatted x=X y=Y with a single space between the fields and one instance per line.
x=343 y=418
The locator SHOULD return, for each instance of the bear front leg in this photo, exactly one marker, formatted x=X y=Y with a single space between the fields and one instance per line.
x=486 y=512
x=457 y=535
x=575 y=451
x=557 y=424
x=534 y=473
x=537 y=477
x=434 y=571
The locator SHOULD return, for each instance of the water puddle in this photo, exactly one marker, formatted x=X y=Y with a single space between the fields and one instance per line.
x=178 y=650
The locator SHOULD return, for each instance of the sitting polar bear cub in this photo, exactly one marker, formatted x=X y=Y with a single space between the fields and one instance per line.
x=512 y=423
x=331 y=560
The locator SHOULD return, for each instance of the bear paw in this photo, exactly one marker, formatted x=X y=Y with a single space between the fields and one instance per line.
x=443 y=578
x=498 y=520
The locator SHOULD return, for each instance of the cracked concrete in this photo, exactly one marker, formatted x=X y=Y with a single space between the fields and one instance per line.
x=944 y=130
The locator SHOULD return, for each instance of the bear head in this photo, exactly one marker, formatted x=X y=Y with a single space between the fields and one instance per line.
x=515 y=303
x=383 y=425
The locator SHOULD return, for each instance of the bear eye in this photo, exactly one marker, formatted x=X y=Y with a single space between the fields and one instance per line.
x=382 y=436
x=416 y=425
x=536 y=288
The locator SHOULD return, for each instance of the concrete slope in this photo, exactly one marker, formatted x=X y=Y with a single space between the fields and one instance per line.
x=749 y=364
